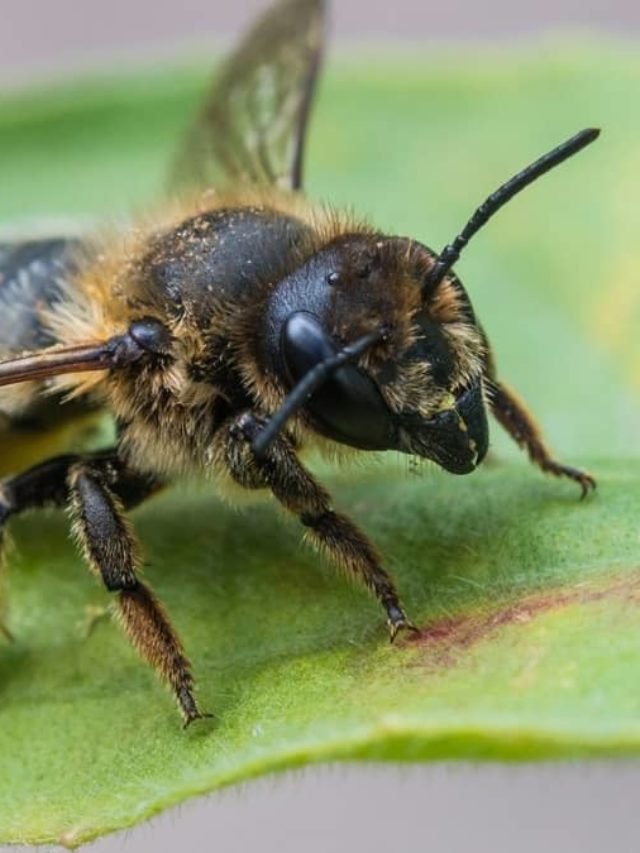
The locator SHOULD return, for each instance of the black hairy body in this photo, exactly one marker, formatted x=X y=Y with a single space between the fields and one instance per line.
x=239 y=326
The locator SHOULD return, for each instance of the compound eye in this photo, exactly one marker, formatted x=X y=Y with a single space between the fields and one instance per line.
x=151 y=335
x=348 y=407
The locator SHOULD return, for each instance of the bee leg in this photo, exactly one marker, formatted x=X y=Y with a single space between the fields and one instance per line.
x=512 y=414
x=98 y=487
x=330 y=532
x=111 y=551
x=45 y=484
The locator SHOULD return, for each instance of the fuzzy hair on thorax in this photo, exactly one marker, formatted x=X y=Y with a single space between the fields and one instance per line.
x=206 y=269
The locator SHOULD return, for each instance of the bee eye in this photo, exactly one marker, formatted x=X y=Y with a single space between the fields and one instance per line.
x=151 y=335
x=348 y=407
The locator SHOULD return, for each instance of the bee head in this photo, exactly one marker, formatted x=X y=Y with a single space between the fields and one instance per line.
x=378 y=341
x=416 y=386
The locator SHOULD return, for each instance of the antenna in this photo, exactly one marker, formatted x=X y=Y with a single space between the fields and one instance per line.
x=310 y=382
x=501 y=196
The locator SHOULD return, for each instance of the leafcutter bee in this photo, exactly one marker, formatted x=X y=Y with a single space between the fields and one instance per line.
x=245 y=325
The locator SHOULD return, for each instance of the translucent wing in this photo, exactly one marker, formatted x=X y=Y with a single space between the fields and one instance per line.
x=31 y=272
x=253 y=122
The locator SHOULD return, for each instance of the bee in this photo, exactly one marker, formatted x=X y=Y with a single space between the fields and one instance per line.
x=241 y=326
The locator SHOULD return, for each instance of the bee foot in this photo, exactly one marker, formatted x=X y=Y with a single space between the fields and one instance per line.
x=399 y=621
x=585 y=481
x=587 y=484
x=194 y=715
x=188 y=705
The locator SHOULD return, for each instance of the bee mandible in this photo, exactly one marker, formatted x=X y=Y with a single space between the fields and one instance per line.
x=238 y=328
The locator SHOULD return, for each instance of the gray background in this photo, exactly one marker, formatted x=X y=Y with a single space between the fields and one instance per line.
x=586 y=808
x=37 y=36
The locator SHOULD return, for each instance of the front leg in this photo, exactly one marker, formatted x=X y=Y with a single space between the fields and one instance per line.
x=294 y=487
x=512 y=414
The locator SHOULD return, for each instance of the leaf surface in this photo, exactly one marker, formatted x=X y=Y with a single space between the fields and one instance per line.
x=528 y=598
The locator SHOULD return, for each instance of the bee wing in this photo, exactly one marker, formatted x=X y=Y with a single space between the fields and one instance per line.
x=32 y=277
x=32 y=272
x=252 y=125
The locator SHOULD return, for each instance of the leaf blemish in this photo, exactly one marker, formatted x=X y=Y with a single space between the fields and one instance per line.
x=444 y=640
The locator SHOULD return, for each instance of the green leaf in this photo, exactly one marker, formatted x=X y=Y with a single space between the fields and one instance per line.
x=528 y=598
